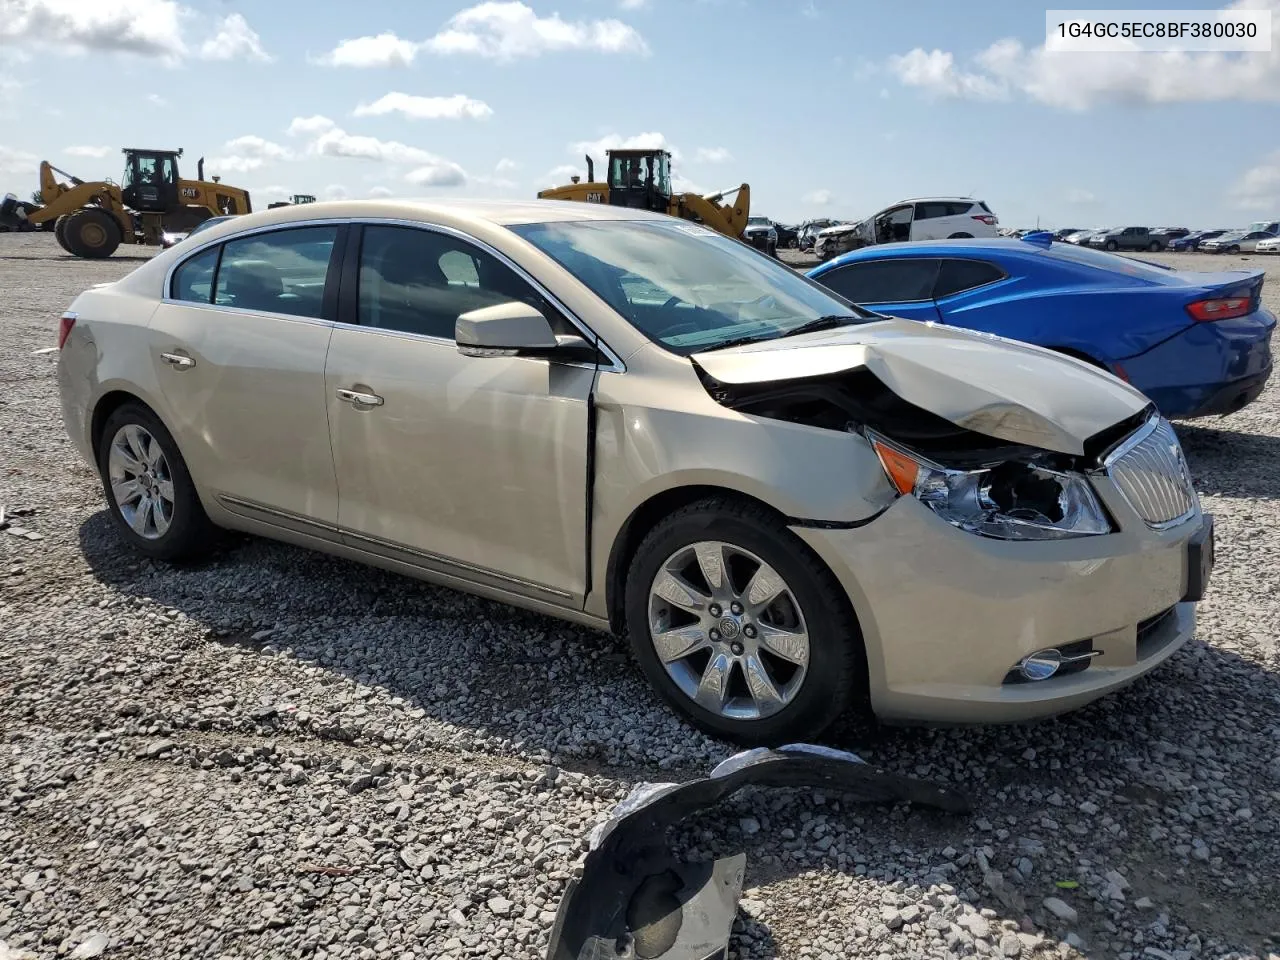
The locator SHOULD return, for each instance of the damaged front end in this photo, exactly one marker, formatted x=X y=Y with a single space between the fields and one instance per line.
x=636 y=901
x=995 y=438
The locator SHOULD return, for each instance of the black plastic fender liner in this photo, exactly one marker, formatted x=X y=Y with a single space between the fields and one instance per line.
x=635 y=901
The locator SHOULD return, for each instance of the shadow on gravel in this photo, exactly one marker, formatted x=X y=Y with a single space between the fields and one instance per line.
x=1230 y=464
x=1130 y=783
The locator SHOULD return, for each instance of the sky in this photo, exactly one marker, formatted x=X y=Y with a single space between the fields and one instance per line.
x=833 y=108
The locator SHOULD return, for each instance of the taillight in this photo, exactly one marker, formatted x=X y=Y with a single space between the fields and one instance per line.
x=986 y=218
x=67 y=321
x=1220 y=308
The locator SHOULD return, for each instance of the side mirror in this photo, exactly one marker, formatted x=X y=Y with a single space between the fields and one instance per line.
x=503 y=330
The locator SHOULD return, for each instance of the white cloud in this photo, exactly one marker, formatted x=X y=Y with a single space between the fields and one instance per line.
x=426 y=108
x=712 y=155
x=149 y=28
x=561 y=175
x=818 y=198
x=1080 y=197
x=633 y=4
x=1259 y=188
x=1078 y=81
x=97 y=152
x=383 y=50
x=156 y=100
x=335 y=191
x=17 y=161
x=305 y=126
x=380 y=192
x=681 y=184
x=511 y=30
x=936 y=72
x=249 y=153
x=437 y=173
x=506 y=165
x=234 y=40
x=641 y=141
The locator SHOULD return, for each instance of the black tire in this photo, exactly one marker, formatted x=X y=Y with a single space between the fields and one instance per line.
x=1156 y=246
x=793 y=243
x=1233 y=249
x=835 y=676
x=60 y=232
x=773 y=250
x=92 y=233
x=961 y=236
x=1111 y=245
x=190 y=534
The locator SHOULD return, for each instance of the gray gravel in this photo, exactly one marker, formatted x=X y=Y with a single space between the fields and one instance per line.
x=277 y=754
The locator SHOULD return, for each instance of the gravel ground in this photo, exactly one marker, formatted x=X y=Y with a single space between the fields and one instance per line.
x=277 y=754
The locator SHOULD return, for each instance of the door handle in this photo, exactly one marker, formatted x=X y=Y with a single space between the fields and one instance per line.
x=178 y=360
x=356 y=397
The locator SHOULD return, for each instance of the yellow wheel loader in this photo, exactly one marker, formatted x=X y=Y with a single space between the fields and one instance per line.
x=92 y=218
x=642 y=179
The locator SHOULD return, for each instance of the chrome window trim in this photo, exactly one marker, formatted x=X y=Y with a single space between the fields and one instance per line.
x=615 y=364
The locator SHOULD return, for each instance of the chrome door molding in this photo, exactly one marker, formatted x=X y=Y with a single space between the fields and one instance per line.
x=397 y=551
x=615 y=364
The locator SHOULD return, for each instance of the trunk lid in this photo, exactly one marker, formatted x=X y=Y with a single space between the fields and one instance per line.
x=1002 y=388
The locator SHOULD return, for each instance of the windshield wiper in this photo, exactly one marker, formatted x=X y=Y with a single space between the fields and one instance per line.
x=822 y=323
x=809 y=326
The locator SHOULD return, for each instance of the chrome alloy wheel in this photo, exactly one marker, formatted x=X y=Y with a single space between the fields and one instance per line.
x=140 y=481
x=728 y=630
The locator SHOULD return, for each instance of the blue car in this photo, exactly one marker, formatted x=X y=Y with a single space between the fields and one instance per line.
x=1193 y=240
x=1197 y=344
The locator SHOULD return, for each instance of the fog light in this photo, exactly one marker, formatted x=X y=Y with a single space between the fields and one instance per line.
x=1040 y=665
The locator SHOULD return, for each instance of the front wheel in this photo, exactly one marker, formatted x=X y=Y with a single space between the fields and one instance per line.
x=1155 y=246
x=1111 y=245
x=60 y=232
x=740 y=627
x=961 y=236
x=1233 y=249
x=149 y=490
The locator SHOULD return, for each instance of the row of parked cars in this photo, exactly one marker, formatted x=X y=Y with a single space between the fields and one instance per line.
x=1261 y=236
x=922 y=218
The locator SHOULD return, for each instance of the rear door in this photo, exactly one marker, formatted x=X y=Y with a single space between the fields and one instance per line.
x=239 y=346
x=471 y=467
x=898 y=286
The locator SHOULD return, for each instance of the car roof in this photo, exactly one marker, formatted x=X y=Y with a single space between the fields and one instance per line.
x=994 y=247
x=499 y=212
x=928 y=199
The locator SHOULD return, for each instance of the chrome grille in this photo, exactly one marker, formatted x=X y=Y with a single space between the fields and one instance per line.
x=1152 y=473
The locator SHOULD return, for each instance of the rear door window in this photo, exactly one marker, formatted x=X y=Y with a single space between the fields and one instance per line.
x=193 y=280
x=885 y=281
x=279 y=272
x=956 y=276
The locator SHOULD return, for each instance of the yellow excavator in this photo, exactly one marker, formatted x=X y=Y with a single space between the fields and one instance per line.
x=642 y=179
x=92 y=218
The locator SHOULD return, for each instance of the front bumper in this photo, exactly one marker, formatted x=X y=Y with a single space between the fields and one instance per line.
x=946 y=614
x=760 y=241
x=1210 y=369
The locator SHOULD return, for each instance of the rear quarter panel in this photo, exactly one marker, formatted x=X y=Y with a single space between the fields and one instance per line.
x=107 y=351
x=1069 y=309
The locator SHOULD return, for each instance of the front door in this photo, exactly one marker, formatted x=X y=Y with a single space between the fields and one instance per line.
x=239 y=351
x=473 y=467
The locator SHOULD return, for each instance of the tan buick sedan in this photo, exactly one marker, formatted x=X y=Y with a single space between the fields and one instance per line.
x=789 y=505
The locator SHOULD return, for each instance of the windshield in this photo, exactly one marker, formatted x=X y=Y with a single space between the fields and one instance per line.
x=757 y=220
x=684 y=286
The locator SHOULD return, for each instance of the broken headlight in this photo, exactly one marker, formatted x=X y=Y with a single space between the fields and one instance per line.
x=1009 y=501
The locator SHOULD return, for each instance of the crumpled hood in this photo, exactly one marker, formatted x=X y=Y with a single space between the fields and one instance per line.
x=998 y=387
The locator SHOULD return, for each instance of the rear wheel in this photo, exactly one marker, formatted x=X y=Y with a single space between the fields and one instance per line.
x=740 y=627
x=961 y=236
x=1155 y=246
x=149 y=490
x=92 y=233
x=1234 y=248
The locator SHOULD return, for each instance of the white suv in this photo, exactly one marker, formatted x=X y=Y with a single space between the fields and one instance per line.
x=924 y=218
